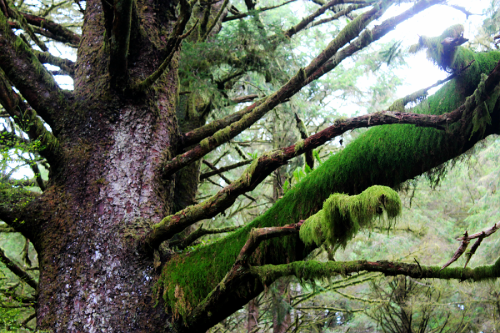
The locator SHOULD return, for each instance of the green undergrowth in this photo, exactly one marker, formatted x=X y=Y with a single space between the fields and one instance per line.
x=343 y=216
x=385 y=155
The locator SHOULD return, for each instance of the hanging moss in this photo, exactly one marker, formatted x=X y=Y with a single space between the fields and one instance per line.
x=343 y=216
x=434 y=46
x=385 y=155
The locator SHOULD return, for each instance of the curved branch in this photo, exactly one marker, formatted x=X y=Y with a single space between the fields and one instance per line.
x=27 y=74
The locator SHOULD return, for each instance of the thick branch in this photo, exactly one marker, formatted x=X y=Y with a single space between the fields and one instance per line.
x=35 y=83
x=263 y=166
x=61 y=33
x=65 y=64
x=14 y=268
x=289 y=89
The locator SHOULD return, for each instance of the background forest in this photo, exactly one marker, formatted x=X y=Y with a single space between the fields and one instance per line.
x=438 y=207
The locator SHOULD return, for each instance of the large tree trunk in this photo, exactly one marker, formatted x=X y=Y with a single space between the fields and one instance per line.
x=93 y=278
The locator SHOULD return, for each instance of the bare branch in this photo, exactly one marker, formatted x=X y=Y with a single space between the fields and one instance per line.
x=228 y=182
x=224 y=169
x=17 y=270
x=258 y=10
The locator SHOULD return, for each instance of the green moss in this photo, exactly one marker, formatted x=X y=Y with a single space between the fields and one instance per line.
x=343 y=216
x=385 y=155
x=299 y=145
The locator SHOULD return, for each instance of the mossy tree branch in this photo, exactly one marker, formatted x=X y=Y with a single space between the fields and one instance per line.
x=17 y=270
x=296 y=83
x=26 y=73
x=338 y=15
x=58 y=31
x=263 y=166
x=28 y=121
x=227 y=180
x=65 y=64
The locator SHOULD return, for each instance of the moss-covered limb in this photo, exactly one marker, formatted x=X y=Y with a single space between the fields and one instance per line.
x=304 y=135
x=195 y=136
x=5 y=228
x=198 y=233
x=370 y=36
x=47 y=58
x=31 y=78
x=286 y=91
x=14 y=13
x=173 y=43
x=359 y=299
x=62 y=34
x=227 y=180
x=258 y=10
x=329 y=308
x=224 y=169
x=28 y=121
x=243 y=282
x=312 y=270
x=119 y=29
x=386 y=155
x=17 y=270
x=342 y=216
x=267 y=163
